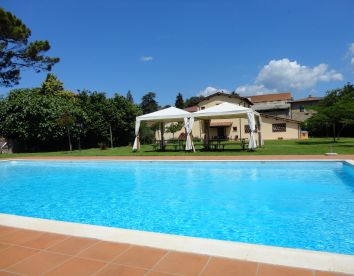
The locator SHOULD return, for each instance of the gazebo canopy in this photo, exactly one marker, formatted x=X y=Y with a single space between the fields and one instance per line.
x=223 y=111
x=228 y=110
x=170 y=114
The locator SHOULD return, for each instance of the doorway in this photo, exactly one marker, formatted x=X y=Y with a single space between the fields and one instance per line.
x=221 y=131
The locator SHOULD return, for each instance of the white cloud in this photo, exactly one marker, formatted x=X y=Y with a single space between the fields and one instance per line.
x=211 y=90
x=253 y=89
x=286 y=75
x=351 y=54
x=146 y=58
x=351 y=48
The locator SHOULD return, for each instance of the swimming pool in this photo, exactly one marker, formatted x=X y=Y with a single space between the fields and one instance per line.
x=308 y=205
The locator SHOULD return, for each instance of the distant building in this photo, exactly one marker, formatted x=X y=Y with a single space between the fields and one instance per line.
x=272 y=127
x=302 y=109
x=273 y=104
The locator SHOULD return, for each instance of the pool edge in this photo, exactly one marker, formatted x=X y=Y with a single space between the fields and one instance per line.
x=243 y=251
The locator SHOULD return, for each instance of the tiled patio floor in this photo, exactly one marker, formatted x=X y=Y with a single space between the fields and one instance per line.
x=26 y=252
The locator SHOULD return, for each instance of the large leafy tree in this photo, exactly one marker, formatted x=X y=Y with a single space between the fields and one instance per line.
x=334 y=112
x=95 y=104
x=104 y=114
x=17 y=53
x=32 y=119
x=179 y=101
x=148 y=103
x=192 y=101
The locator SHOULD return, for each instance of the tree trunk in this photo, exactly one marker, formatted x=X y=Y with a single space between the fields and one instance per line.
x=340 y=132
x=110 y=134
x=69 y=139
x=162 y=129
x=334 y=132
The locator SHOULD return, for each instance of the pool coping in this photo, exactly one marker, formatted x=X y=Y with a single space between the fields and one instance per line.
x=235 y=250
x=307 y=259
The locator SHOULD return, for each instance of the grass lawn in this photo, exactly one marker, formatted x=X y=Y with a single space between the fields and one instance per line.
x=289 y=147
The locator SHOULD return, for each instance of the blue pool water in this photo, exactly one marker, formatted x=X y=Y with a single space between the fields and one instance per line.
x=307 y=205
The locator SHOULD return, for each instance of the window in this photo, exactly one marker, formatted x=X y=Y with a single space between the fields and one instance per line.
x=247 y=129
x=203 y=107
x=234 y=128
x=302 y=108
x=279 y=127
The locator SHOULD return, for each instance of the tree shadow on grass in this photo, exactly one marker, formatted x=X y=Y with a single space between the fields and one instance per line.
x=318 y=142
x=197 y=150
x=345 y=146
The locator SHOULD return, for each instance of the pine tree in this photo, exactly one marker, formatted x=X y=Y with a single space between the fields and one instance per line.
x=148 y=103
x=16 y=53
x=179 y=101
x=129 y=96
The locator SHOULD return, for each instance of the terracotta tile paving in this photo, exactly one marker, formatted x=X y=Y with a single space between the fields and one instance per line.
x=141 y=256
x=229 y=267
x=72 y=246
x=121 y=270
x=182 y=263
x=39 y=253
x=274 y=270
x=44 y=241
x=15 y=254
x=104 y=251
x=77 y=267
x=38 y=263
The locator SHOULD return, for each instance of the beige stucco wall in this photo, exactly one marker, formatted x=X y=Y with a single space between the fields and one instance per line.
x=292 y=130
x=308 y=112
x=220 y=99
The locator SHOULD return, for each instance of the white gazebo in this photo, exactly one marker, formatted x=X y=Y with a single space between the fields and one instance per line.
x=228 y=110
x=167 y=115
x=222 y=111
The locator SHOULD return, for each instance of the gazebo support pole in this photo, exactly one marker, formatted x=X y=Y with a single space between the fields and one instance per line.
x=162 y=130
x=207 y=136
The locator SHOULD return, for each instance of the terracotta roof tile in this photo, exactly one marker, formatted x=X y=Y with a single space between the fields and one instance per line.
x=308 y=99
x=193 y=108
x=271 y=97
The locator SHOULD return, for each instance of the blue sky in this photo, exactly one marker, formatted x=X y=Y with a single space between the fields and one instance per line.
x=192 y=46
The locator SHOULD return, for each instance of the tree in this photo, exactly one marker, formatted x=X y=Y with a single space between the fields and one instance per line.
x=17 y=53
x=129 y=97
x=67 y=120
x=192 y=101
x=173 y=128
x=52 y=85
x=32 y=119
x=148 y=103
x=335 y=111
x=179 y=101
x=104 y=114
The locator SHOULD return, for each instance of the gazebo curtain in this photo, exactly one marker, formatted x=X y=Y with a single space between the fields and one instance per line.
x=188 y=124
x=136 y=145
x=252 y=123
